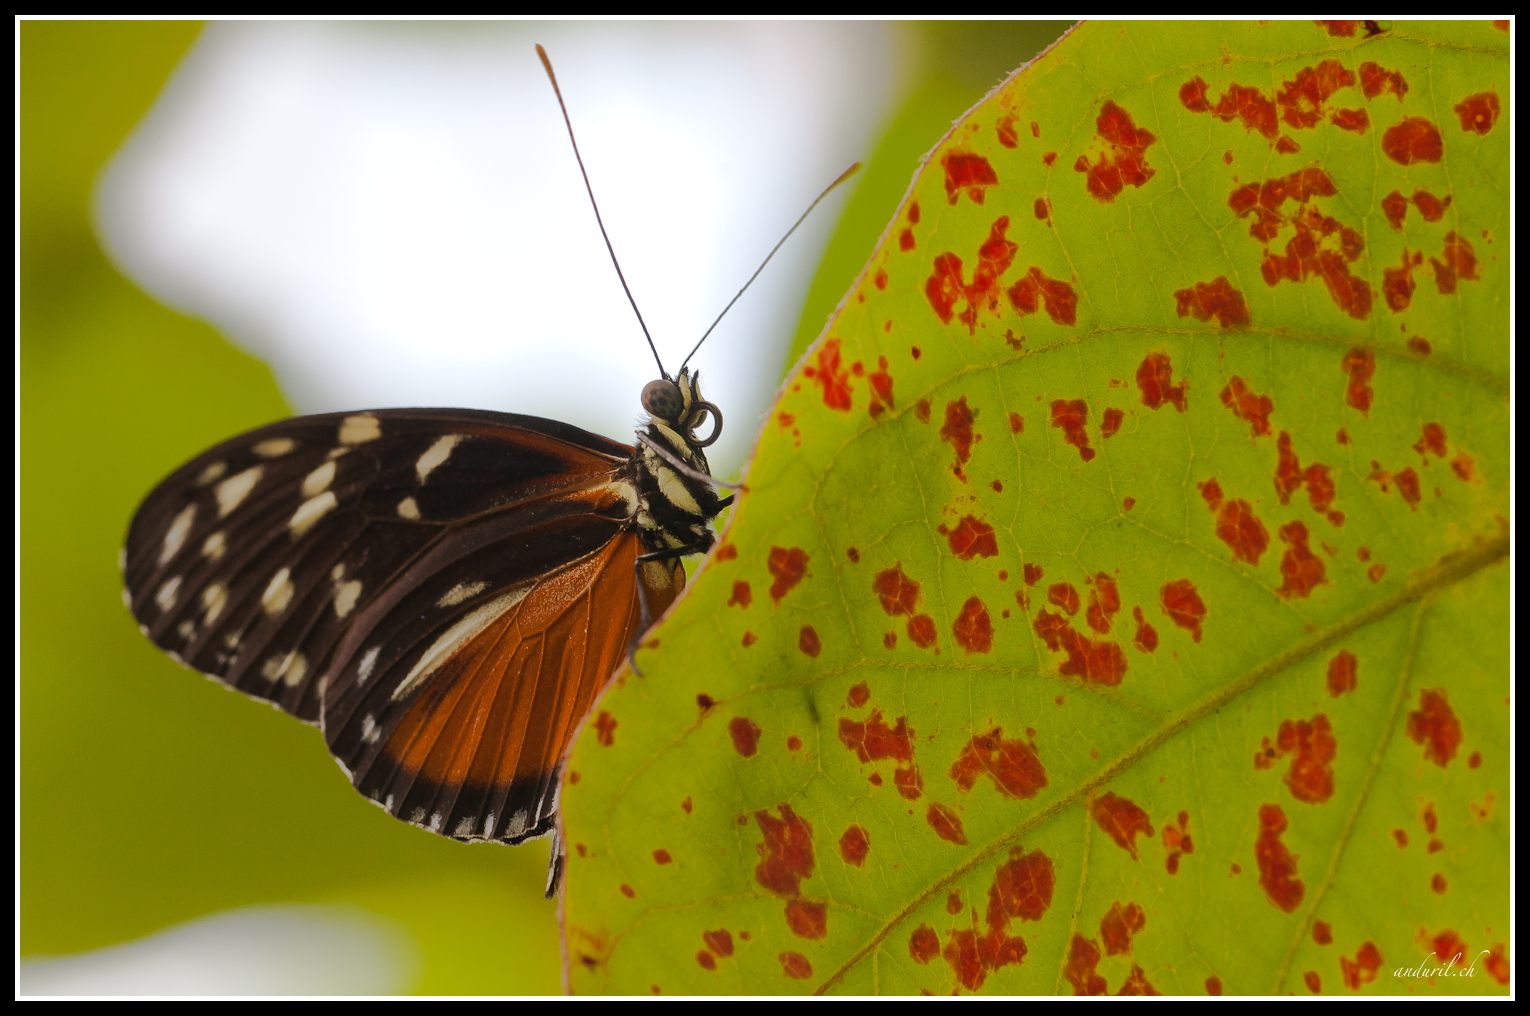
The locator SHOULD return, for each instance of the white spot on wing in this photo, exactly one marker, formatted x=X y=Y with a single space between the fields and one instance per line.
x=460 y=592
x=211 y=472
x=346 y=596
x=274 y=447
x=168 y=592
x=297 y=669
x=278 y=593
x=370 y=731
x=488 y=825
x=280 y=667
x=214 y=546
x=408 y=509
x=310 y=512
x=437 y=820
x=214 y=598
x=517 y=824
x=359 y=429
x=236 y=488
x=455 y=638
x=368 y=661
x=464 y=827
x=175 y=536
x=435 y=455
x=186 y=630
x=319 y=480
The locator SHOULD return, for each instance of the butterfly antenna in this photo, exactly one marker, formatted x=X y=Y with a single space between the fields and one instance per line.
x=847 y=174
x=547 y=66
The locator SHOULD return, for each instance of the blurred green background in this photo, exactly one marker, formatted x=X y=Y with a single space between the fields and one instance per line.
x=149 y=796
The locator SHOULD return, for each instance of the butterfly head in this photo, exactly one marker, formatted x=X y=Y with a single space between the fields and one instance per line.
x=679 y=405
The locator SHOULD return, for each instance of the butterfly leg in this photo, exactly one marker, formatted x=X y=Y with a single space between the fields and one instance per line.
x=683 y=468
x=645 y=614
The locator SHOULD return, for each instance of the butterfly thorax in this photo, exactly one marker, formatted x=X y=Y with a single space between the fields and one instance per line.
x=675 y=500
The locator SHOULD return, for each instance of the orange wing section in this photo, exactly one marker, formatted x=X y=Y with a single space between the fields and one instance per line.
x=476 y=751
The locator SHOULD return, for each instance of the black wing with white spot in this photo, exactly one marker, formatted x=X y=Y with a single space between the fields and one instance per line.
x=251 y=562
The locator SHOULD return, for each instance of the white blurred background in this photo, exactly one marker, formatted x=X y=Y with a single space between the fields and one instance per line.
x=392 y=215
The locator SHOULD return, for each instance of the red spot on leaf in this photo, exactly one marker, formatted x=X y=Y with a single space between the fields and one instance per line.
x=973 y=628
x=1094 y=660
x=745 y=734
x=1397 y=283
x=1498 y=964
x=1005 y=130
x=1448 y=946
x=605 y=729
x=1123 y=160
x=1463 y=465
x=1083 y=959
x=1434 y=726
x=1069 y=416
x=1042 y=209
x=1119 y=925
x=808 y=641
x=1322 y=933
x=1249 y=405
x=899 y=593
x=924 y=944
x=1437 y=883
x=880 y=278
x=1478 y=112
x=957 y=432
x=662 y=857
x=807 y=919
x=853 y=845
x=1313 y=982
x=1362 y=969
x=1243 y=103
x=628 y=891
x=1312 y=747
x=1022 y=888
x=1457 y=260
x=971 y=538
x=1032 y=574
x=726 y=552
x=1413 y=139
x=1146 y=637
x=1062 y=594
x=1375 y=79
x=686 y=805
x=1320 y=246
x=787 y=566
x=1301 y=570
x=1277 y=865
x=1104 y=603
x=1431 y=441
x=786 y=851
x=967 y=172
x=946 y=823
x=921 y=630
x=719 y=941
x=1241 y=530
x=1429 y=206
x=1177 y=842
x=881 y=388
x=1047 y=158
x=922 y=410
x=1184 y=606
x=1016 y=423
x=830 y=376
x=1155 y=379
x=1122 y=820
x=1110 y=423
x=1215 y=299
x=1303 y=99
x=742 y=596
x=1357 y=120
x=1341 y=673
x=1395 y=207
x=1012 y=764
x=796 y=966
x=706 y=960
x=1038 y=291
x=1213 y=985
x=748 y=640
x=946 y=285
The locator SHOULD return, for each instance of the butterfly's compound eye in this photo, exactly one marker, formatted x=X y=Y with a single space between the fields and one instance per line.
x=699 y=414
x=662 y=399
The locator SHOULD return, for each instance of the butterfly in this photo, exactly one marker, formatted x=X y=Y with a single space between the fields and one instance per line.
x=443 y=592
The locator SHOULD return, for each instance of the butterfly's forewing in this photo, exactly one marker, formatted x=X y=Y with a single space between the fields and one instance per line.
x=387 y=573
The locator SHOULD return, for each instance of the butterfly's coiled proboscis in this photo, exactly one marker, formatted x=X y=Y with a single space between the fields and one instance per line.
x=443 y=592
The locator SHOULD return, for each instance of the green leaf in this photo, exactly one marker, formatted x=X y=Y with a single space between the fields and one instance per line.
x=1118 y=599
